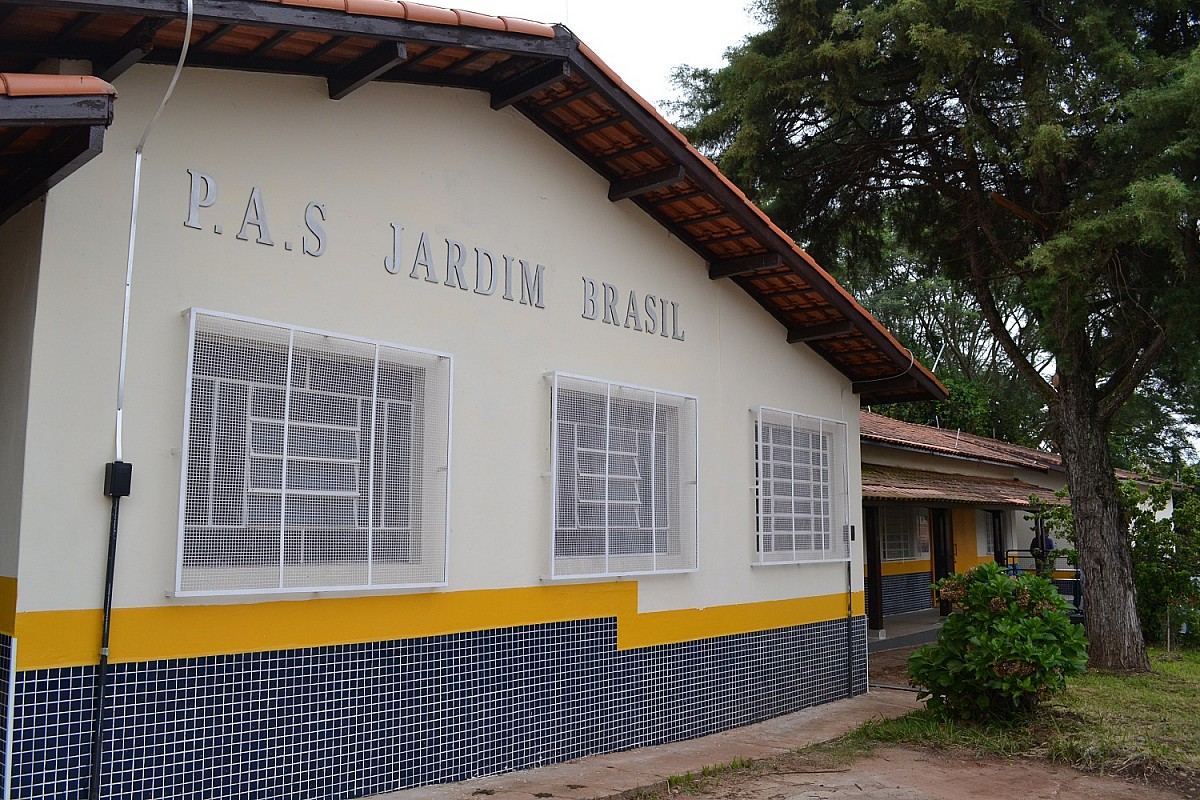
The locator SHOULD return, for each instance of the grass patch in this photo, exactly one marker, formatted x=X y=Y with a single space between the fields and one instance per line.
x=1144 y=726
x=1137 y=723
x=710 y=777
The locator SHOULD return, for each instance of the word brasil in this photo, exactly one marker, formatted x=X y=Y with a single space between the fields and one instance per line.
x=624 y=311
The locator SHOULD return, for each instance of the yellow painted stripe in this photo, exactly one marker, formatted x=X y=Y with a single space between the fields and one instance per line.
x=8 y=605
x=665 y=627
x=72 y=638
x=904 y=567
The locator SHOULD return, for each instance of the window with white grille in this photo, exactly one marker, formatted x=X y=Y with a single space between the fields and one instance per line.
x=904 y=533
x=803 y=507
x=624 y=479
x=312 y=461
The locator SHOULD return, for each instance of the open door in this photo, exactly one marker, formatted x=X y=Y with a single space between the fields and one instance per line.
x=942 y=547
x=874 y=558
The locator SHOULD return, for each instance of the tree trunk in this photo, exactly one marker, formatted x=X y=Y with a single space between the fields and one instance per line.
x=1101 y=534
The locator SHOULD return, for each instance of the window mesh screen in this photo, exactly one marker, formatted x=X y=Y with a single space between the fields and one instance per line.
x=624 y=479
x=904 y=533
x=312 y=461
x=803 y=509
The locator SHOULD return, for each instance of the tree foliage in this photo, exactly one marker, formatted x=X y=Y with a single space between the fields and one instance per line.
x=1044 y=156
x=1166 y=554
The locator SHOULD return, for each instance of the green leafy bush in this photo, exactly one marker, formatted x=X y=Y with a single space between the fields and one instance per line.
x=1166 y=557
x=1008 y=645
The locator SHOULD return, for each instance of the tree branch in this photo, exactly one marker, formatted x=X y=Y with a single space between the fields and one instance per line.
x=1124 y=382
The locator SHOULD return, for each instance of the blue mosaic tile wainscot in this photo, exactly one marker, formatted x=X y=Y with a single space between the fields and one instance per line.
x=353 y=720
x=903 y=593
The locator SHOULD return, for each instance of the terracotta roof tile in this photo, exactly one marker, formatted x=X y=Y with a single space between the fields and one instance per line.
x=895 y=483
x=519 y=25
x=472 y=19
x=16 y=84
x=420 y=12
x=878 y=428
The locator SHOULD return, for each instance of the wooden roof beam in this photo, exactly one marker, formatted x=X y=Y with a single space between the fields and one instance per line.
x=828 y=330
x=527 y=83
x=620 y=190
x=134 y=46
x=366 y=69
x=729 y=267
x=69 y=152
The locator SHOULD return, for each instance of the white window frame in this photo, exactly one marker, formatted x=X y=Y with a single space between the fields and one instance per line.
x=396 y=485
x=802 y=509
x=912 y=534
x=610 y=477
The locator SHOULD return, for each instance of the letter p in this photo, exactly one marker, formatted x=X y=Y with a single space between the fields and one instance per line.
x=203 y=194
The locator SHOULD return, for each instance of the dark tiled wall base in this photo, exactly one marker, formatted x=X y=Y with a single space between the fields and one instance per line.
x=347 y=721
x=902 y=593
x=6 y=667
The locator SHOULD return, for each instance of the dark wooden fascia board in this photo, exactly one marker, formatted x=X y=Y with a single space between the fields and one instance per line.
x=828 y=330
x=359 y=73
x=527 y=83
x=653 y=181
x=56 y=160
x=729 y=267
x=254 y=13
x=70 y=110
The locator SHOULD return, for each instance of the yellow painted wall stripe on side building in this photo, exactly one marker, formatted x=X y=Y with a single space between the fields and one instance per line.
x=72 y=638
x=8 y=605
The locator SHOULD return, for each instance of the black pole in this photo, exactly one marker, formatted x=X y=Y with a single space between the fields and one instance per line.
x=102 y=668
x=117 y=478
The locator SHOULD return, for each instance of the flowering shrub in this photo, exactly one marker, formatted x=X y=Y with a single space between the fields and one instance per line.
x=1008 y=645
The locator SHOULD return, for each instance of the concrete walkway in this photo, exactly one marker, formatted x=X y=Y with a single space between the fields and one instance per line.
x=622 y=774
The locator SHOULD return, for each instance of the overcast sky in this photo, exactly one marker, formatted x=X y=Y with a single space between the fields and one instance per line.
x=642 y=40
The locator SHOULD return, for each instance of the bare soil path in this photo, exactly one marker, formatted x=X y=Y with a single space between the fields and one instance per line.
x=914 y=773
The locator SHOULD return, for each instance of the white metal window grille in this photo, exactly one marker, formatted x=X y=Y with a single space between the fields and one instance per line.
x=803 y=505
x=904 y=533
x=624 y=479
x=312 y=461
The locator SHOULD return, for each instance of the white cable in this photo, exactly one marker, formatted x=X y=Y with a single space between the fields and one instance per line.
x=133 y=215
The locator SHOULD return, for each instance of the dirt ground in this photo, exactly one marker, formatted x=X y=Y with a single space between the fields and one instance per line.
x=907 y=773
x=914 y=773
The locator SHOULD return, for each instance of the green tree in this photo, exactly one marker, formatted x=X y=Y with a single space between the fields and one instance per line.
x=1166 y=552
x=1044 y=155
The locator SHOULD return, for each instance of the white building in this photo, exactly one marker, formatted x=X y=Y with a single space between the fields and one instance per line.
x=475 y=420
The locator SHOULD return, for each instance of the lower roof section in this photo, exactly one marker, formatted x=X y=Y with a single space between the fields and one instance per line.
x=896 y=483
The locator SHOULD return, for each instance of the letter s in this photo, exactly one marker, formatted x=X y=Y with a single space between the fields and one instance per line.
x=314 y=215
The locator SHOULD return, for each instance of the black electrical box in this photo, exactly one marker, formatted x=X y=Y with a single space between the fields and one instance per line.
x=117 y=477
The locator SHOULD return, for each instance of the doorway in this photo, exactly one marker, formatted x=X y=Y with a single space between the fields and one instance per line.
x=943 y=549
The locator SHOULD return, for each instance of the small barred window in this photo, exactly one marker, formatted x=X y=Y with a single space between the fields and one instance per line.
x=312 y=461
x=904 y=533
x=803 y=507
x=624 y=479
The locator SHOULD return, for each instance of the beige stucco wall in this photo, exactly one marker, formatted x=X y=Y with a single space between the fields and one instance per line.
x=433 y=160
x=20 y=248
